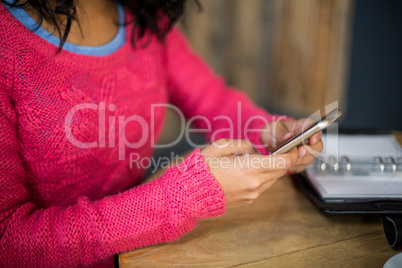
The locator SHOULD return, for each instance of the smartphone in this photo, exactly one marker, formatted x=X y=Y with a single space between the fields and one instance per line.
x=314 y=128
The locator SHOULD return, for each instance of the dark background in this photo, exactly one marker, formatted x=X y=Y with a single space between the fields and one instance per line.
x=374 y=91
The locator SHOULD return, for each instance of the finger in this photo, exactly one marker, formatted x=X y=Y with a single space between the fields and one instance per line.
x=307 y=160
x=309 y=153
x=298 y=126
x=286 y=160
x=306 y=150
x=302 y=124
x=268 y=163
x=314 y=149
x=298 y=169
x=284 y=130
x=291 y=125
x=315 y=138
x=276 y=133
x=302 y=151
x=233 y=147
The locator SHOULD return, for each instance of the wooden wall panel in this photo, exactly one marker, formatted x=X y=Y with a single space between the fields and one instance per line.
x=290 y=56
x=310 y=54
x=232 y=36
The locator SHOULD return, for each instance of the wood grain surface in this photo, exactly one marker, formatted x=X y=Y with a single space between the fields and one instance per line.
x=281 y=229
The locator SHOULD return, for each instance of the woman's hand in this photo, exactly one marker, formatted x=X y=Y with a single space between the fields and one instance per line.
x=277 y=132
x=243 y=173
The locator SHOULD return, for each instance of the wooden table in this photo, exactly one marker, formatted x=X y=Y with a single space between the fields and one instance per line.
x=280 y=229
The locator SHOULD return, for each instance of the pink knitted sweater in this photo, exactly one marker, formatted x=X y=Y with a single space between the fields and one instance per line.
x=64 y=206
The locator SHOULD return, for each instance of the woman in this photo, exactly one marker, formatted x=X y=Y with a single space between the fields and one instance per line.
x=83 y=88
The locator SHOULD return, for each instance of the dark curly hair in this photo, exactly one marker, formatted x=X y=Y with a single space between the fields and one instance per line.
x=157 y=16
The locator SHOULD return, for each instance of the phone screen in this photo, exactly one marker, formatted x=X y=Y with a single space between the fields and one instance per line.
x=307 y=133
x=297 y=139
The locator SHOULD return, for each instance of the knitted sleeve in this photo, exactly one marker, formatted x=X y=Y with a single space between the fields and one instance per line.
x=222 y=111
x=88 y=232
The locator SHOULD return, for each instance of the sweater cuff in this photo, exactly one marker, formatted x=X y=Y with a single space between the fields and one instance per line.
x=256 y=128
x=200 y=196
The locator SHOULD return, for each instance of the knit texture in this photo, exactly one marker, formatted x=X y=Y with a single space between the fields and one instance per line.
x=66 y=206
